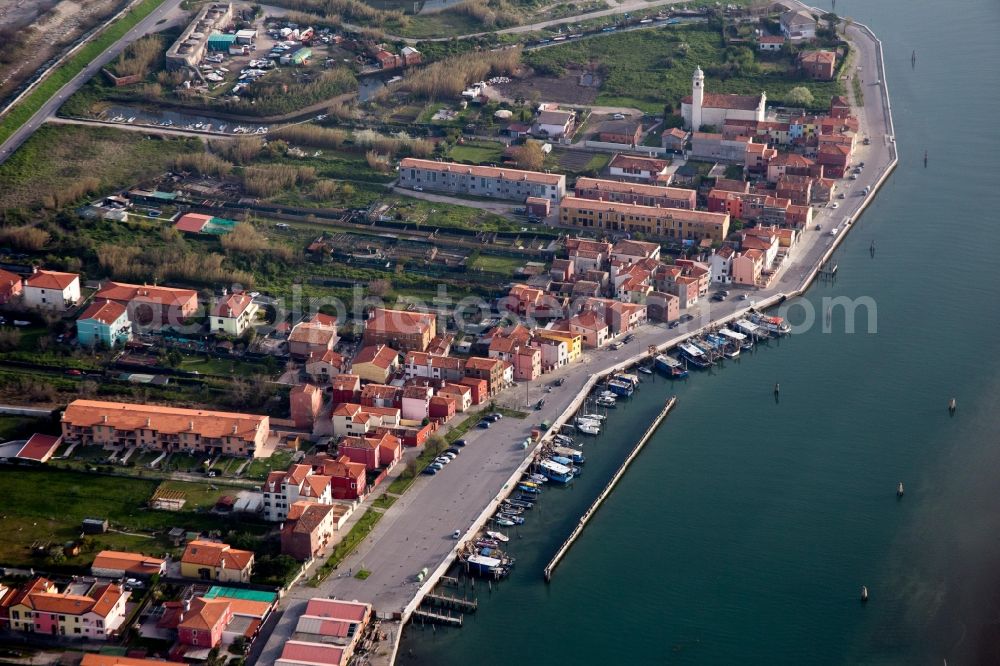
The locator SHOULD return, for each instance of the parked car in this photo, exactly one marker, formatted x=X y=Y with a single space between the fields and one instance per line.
x=687 y=317
x=430 y=471
x=484 y=425
x=459 y=443
x=540 y=404
x=628 y=338
x=457 y=534
x=494 y=417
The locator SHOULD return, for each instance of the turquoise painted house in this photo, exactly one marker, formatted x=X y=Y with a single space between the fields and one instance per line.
x=104 y=322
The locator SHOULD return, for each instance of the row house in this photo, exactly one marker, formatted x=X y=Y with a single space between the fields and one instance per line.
x=353 y=420
x=345 y=388
x=168 y=429
x=372 y=451
x=758 y=157
x=661 y=306
x=454 y=178
x=627 y=252
x=798 y=189
x=282 y=489
x=638 y=193
x=673 y=223
x=649 y=169
x=323 y=367
x=428 y=366
x=460 y=393
x=479 y=389
x=747 y=267
x=348 y=480
x=376 y=363
x=531 y=302
x=305 y=403
x=382 y=395
x=151 y=307
x=763 y=131
x=835 y=158
x=442 y=408
x=720 y=264
x=39 y=607
x=620 y=317
x=554 y=352
x=688 y=280
x=591 y=327
x=527 y=363
x=632 y=282
x=400 y=329
x=788 y=164
x=490 y=370
x=562 y=270
x=588 y=254
x=415 y=403
x=50 y=290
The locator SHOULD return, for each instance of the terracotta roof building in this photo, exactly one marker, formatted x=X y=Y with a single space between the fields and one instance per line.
x=151 y=306
x=672 y=223
x=307 y=530
x=637 y=193
x=375 y=363
x=211 y=560
x=118 y=564
x=313 y=338
x=480 y=180
x=38 y=607
x=400 y=329
x=163 y=428
x=51 y=290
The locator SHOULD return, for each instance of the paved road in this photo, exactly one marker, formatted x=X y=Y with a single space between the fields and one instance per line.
x=169 y=10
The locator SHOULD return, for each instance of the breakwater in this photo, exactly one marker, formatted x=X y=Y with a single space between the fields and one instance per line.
x=589 y=513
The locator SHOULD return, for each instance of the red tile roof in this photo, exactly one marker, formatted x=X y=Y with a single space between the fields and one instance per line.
x=38 y=447
x=214 y=554
x=483 y=171
x=381 y=356
x=232 y=306
x=122 y=291
x=192 y=222
x=51 y=280
x=106 y=312
x=723 y=101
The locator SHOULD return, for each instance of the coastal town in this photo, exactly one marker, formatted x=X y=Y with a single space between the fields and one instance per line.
x=297 y=384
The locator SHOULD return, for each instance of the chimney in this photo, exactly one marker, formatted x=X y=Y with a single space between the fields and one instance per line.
x=149 y=422
x=235 y=428
x=190 y=425
x=104 y=418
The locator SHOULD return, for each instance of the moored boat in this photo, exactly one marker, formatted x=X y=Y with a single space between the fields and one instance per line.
x=498 y=536
x=694 y=355
x=588 y=429
x=573 y=454
x=556 y=471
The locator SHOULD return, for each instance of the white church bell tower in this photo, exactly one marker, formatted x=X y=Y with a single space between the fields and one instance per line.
x=697 y=98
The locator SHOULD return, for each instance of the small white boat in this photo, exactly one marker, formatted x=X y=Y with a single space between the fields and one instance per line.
x=593 y=417
x=864 y=594
x=588 y=429
x=499 y=536
x=732 y=353
x=644 y=370
x=899 y=489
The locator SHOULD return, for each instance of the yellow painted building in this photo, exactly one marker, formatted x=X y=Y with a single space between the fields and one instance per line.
x=574 y=342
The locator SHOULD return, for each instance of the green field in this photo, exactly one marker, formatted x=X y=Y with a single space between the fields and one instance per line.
x=648 y=68
x=45 y=506
x=494 y=264
x=481 y=152
x=23 y=111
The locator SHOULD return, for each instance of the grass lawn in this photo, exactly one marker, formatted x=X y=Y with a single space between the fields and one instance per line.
x=46 y=506
x=23 y=111
x=384 y=501
x=496 y=264
x=19 y=427
x=482 y=152
x=222 y=367
x=647 y=68
x=261 y=467
x=58 y=161
x=198 y=495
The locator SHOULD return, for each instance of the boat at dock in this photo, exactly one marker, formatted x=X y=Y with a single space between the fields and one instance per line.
x=606 y=402
x=573 y=454
x=498 y=536
x=531 y=490
x=775 y=326
x=670 y=365
x=740 y=340
x=593 y=417
x=694 y=355
x=517 y=520
x=645 y=370
x=621 y=388
x=752 y=330
x=556 y=471
x=504 y=522
x=483 y=565
x=588 y=429
x=627 y=378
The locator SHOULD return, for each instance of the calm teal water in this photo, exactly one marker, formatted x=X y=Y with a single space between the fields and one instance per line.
x=745 y=529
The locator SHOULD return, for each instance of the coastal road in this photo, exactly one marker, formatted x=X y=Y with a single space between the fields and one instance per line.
x=416 y=532
x=167 y=12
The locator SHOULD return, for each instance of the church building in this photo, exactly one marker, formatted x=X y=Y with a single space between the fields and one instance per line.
x=702 y=108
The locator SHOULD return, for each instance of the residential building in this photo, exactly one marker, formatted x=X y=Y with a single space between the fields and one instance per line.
x=461 y=394
x=48 y=290
x=348 y=480
x=715 y=146
x=313 y=338
x=308 y=529
x=151 y=307
x=674 y=139
x=491 y=370
x=121 y=564
x=588 y=254
x=345 y=388
x=38 y=607
x=650 y=169
x=329 y=622
x=797 y=189
x=10 y=286
x=591 y=327
x=635 y=193
x=38 y=449
x=441 y=408
x=429 y=366
x=747 y=267
x=628 y=132
x=382 y=396
x=673 y=223
x=818 y=65
x=400 y=329
x=323 y=367
x=573 y=341
x=169 y=429
x=788 y=163
x=531 y=302
x=372 y=451
x=103 y=324
x=661 y=306
x=555 y=124
x=203 y=621
x=701 y=108
x=554 y=352
x=415 y=403
x=352 y=419
x=233 y=314
x=298 y=483
x=720 y=263
x=479 y=388
x=835 y=158
x=770 y=43
x=627 y=252
x=527 y=362
x=211 y=560
x=305 y=402
x=298 y=653
x=482 y=181
x=376 y=363
x=561 y=270
x=798 y=25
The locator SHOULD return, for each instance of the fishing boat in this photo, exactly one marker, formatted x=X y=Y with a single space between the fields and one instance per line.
x=589 y=423
x=525 y=500
x=645 y=370
x=573 y=454
x=627 y=378
x=511 y=510
x=607 y=402
x=594 y=417
x=556 y=471
x=670 y=365
x=536 y=478
x=621 y=388
x=519 y=504
x=751 y=329
x=734 y=352
x=563 y=440
x=498 y=536
x=775 y=326
x=504 y=522
x=587 y=429
x=694 y=355
x=608 y=394
x=566 y=462
x=487 y=543
x=517 y=520
x=531 y=490
x=485 y=566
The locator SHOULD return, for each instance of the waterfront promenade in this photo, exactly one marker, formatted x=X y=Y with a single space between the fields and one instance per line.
x=416 y=531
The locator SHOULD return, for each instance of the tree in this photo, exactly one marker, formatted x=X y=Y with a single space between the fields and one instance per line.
x=799 y=96
x=529 y=156
x=379 y=288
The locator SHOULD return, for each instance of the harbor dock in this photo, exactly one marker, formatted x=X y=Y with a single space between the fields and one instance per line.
x=589 y=513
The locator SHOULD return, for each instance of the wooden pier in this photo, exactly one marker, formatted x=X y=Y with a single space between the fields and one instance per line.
x=589 y=513
x=431 y=617
x=452 y=603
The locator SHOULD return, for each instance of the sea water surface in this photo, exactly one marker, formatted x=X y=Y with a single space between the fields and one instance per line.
x=744 y=531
